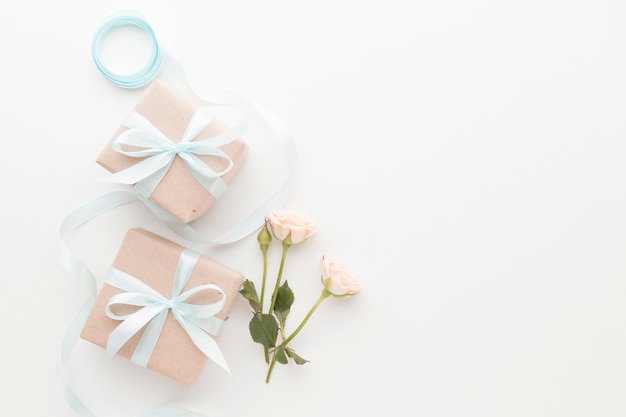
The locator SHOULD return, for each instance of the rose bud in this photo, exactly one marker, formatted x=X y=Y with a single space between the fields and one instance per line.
x=338 y=280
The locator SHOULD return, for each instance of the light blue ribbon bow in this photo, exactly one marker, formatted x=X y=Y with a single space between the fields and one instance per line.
x=159 y=152
x=198 y=320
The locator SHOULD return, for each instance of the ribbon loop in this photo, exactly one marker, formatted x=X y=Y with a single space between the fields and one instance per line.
x=198 y=320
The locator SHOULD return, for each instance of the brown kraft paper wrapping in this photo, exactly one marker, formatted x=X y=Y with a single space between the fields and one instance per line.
x=179 y=192
x=153 y=259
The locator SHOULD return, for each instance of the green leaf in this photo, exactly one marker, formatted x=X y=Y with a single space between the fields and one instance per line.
x=249 y=293
x=280 y=355
x=297 y=359
x=284 y=300
x=264 y=329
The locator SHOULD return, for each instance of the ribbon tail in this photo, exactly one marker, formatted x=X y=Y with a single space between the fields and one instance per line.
x=147 y=186
x=205 y=343
x=77 y=218
x=129 y=327
x=69 y=340
x=206 y=176
x=211 y=325
x=149 y=340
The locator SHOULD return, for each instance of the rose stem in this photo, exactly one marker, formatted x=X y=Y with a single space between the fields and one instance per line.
x=325 y=294
x=286 y=247
x=271 y=368
x=264 y=250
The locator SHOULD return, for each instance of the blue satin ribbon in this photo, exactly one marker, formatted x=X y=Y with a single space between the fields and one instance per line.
x=150 y=70
x=198 y=320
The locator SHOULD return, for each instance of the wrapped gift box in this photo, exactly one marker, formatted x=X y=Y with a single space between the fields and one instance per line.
x=178 y=192
x=153 y=260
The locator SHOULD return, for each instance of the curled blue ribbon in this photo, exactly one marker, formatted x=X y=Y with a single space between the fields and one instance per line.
x=198 y=320
x=152 y=67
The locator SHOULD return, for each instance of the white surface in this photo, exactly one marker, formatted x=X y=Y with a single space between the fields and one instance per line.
x=464 y=158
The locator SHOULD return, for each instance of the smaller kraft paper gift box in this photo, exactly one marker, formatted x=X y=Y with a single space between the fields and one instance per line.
x=162 y=306
x=175 y=153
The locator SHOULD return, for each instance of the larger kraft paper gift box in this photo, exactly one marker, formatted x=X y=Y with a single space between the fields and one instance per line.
x=178 y=192
x=153 y=260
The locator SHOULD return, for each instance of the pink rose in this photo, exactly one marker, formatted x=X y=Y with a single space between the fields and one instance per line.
x=291 y=226
x=337 y=279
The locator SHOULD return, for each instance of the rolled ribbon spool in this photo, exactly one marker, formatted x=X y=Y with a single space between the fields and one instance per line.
x=151 y=68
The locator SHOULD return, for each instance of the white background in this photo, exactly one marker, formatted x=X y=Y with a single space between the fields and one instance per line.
x=464 y=158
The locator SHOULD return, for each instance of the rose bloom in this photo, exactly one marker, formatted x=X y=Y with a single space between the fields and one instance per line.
x=338 y=279
x=291 y=225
